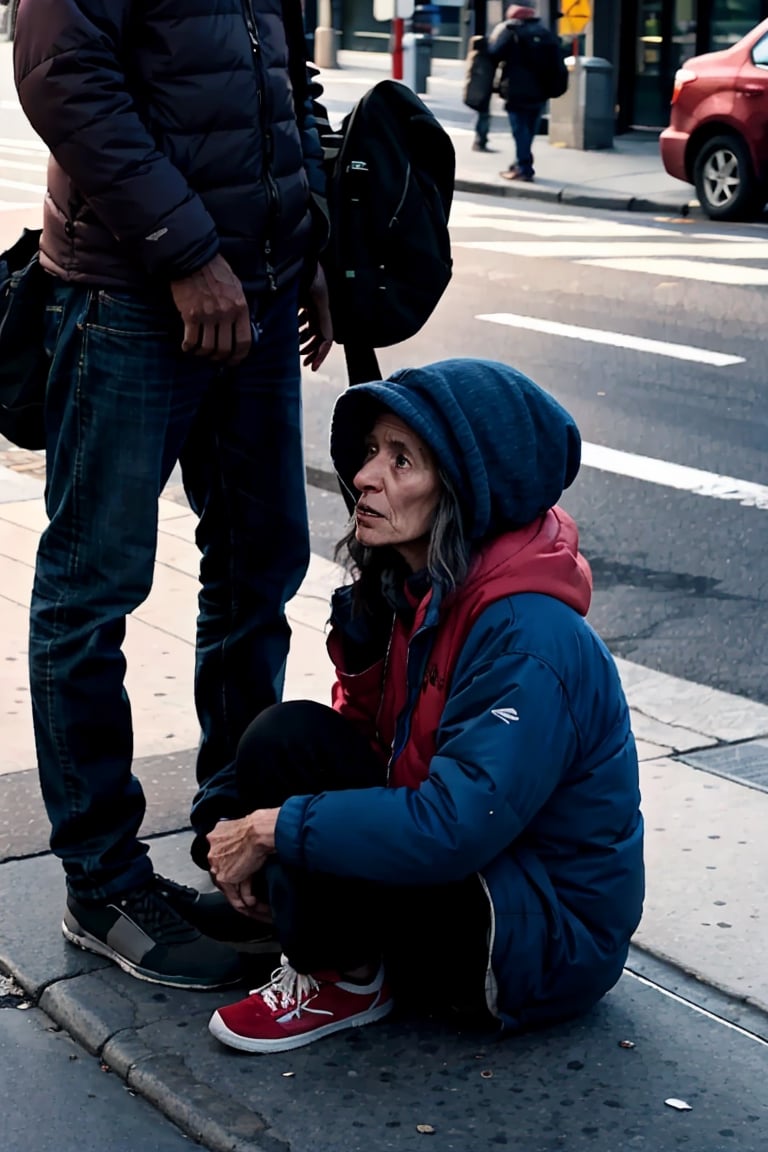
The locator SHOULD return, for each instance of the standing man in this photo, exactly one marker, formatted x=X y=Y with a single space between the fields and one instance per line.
x=181 y=239
x=533 y=71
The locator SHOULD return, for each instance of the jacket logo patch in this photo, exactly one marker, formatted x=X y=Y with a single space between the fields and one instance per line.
x=157 y=235
x=508 y=715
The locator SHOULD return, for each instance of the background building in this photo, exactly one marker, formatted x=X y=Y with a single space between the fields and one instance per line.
x=648 y=40
x=645 y=40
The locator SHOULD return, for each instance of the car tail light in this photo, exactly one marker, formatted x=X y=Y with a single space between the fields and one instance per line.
x=683 y=76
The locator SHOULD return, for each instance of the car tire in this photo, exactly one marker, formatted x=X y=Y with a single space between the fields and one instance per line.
x=725 y=181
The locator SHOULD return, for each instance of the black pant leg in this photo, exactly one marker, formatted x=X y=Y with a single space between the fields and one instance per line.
x=436 y=949
x=303 y=748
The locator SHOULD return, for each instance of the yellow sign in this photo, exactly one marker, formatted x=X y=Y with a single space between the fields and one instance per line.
x=576 y=15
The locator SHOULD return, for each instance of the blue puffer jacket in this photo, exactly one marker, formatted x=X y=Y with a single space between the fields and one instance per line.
x=532 y=775
x=173 y=134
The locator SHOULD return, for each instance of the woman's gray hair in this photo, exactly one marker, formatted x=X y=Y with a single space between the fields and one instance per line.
x=447 y=558
x=447 y=555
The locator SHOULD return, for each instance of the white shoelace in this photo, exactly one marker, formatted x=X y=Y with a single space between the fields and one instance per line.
x=288 y=989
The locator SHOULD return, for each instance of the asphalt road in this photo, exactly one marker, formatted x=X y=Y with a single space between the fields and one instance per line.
x=680 y=577
x=58 y=1098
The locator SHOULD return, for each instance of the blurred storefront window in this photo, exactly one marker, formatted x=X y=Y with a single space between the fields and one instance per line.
x=732 y=19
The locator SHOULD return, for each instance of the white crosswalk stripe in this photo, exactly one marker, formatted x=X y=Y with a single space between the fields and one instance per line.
x=613 y=339
x=23 y=166
x=612 y=244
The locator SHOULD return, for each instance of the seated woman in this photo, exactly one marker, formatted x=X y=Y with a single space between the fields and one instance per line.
x=462 y=829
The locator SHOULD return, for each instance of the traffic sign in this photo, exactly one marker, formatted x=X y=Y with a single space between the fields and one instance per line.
x=393 y=9
x=576 y=15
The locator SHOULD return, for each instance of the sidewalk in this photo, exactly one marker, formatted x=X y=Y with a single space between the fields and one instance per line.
x=707 y=857
x=628 y=177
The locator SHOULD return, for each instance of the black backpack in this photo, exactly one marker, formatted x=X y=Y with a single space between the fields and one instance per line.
x=390 y=187
x=542 y=48
x=390 y=174
x=24 y=290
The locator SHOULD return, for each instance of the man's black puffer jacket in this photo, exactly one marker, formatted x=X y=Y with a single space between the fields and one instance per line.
x=171 y=138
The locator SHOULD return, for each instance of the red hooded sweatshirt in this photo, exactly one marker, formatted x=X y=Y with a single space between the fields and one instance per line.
x=542 y=557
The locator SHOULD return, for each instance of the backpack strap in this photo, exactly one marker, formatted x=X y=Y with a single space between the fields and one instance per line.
x=293 y=23
x=362 y=364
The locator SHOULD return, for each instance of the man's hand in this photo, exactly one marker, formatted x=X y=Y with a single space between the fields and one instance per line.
x=315 y=326
x=238 y=849
x=212 y=304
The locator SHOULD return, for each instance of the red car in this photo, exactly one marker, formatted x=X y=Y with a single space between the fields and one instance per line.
x=717 y=138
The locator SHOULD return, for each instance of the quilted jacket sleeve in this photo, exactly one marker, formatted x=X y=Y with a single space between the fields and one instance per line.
x=490 y=775
x=73 y=89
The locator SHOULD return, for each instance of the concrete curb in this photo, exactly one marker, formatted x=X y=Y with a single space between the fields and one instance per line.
x=214 y=1120
x=578 y=196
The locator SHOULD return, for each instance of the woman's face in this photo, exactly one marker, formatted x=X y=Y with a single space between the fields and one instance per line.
x=399 y=491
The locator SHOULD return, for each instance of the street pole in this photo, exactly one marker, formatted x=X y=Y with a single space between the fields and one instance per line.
x=397 y=47
x=326 y=38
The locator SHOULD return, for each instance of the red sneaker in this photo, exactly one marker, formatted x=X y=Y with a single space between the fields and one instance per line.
x=294 y=1009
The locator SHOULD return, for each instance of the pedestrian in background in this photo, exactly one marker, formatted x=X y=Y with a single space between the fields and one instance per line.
x=478 y=83
x=532 y=72
x=181 y=239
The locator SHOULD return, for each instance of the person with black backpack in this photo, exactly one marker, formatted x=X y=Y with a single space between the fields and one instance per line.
x=181 y=236
x=533 y=71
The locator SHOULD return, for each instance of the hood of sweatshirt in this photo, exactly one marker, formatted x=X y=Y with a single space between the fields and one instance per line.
x=508 y=447
x=542 y=557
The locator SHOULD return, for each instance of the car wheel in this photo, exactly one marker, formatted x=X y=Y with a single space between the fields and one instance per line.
x=725 y=182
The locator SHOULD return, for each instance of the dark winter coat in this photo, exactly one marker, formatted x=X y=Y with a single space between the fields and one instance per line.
x=530 y=56
x=501 y=711
x=173 y=136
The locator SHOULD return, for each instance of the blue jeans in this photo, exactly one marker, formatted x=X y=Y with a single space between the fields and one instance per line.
x=524 y=123
x=482 y=127
x=123 y=405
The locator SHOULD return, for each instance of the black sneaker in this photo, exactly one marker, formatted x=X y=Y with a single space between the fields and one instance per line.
x=213 y=915
x=148 y=939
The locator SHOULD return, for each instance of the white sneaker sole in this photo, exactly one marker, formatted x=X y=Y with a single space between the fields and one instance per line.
x=90 y=943
x=219 y=1029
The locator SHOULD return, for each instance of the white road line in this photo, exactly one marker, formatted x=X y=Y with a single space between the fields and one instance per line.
x=19 y=186
x=15 y=143
x=554 y=227
x=24 y=165
x=695 y=1007
x=616 y=251
x=465 y=215
x=684 y=269
x=614 y=339
x=721 y=236
x=692 y=480
x=462 y=210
